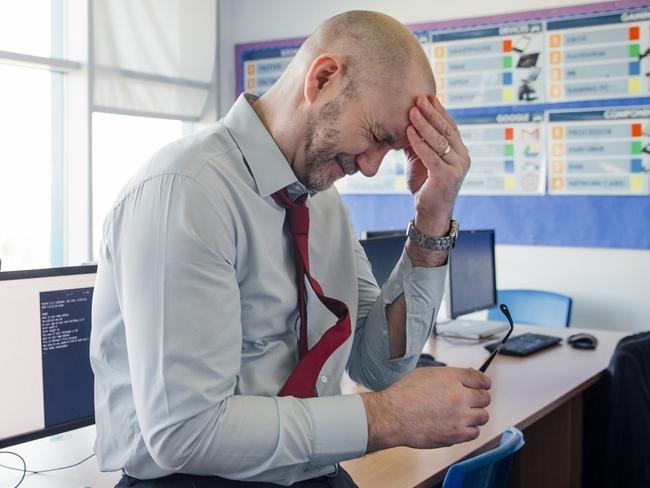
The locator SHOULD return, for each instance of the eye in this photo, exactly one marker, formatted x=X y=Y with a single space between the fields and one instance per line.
x=375 y=139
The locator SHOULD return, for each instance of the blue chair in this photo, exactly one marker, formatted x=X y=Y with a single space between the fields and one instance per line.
x=489 y=469
x=534 y=307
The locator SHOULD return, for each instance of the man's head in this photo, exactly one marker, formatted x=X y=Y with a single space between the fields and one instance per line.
x=349 y=89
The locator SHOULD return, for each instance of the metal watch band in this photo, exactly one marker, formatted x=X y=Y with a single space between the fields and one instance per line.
x=445 y=243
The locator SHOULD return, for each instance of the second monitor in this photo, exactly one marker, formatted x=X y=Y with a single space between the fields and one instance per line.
x=472 y=277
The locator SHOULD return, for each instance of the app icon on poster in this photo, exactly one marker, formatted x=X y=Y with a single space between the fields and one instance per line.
x=531 y=150
x=530 y=133
x=521 y=44
x=527 y=90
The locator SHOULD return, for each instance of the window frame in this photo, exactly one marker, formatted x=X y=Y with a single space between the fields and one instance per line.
x=71 y=65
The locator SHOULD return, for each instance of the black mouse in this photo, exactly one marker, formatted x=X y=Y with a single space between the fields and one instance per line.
x=426 y=360
x=582 y=340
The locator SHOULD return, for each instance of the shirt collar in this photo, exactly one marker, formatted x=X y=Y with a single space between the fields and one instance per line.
x=270 y=169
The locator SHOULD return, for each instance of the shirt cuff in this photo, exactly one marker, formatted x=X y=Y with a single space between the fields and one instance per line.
x=340 y=429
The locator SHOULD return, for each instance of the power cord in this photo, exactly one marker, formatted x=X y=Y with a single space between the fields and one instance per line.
x=25 y=470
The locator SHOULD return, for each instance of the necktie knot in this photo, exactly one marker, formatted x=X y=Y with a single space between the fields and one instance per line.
x=297 y=211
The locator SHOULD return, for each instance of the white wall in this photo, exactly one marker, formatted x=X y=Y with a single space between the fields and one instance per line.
x=610 y=287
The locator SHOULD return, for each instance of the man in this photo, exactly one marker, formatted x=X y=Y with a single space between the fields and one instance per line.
x=218 y=292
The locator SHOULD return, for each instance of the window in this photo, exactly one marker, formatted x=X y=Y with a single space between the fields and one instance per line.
x=64 y=79
x=25 y=167
x=26 y=27
x=121 y=144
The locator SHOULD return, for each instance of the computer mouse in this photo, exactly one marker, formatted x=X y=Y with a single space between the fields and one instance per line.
x=426 y=360
x=582 y=340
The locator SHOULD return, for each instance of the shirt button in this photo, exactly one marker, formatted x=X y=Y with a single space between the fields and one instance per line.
x=323 y=379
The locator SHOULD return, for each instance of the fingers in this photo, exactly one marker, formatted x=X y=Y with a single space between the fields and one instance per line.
x=478 y=417
x=423 y=149
x=441 y=147
x=475 y=379
x=438 y=129
x=479 y=398
x=442 y=122
x=444 y=126
x=466 y=434
x=442 y=110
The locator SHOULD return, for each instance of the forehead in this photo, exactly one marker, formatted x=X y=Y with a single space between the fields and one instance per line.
x=390 y=104
x=390 y=116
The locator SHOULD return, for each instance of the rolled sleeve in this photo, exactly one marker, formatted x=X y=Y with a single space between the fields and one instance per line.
x=423 y=289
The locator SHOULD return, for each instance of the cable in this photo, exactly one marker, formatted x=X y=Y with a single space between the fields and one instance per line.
x=25 y=470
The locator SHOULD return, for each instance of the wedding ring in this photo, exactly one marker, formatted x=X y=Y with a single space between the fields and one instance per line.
x=445 y=152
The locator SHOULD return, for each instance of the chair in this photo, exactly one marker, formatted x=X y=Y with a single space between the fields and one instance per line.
x=534 y=307
x=489 y=469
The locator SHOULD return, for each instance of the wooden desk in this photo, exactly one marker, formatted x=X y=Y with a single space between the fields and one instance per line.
x=540 y=394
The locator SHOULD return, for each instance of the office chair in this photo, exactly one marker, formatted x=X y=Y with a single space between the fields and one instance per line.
x=534 y=307
x=489 y=469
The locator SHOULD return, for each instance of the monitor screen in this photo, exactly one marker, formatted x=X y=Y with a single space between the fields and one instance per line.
x=472 y=280
x=45 y=376
x=383 y=254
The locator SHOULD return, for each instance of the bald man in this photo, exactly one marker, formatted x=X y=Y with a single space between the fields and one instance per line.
x=232 y=295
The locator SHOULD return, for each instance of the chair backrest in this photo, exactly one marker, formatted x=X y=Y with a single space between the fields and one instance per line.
x=534 y=307
x=489 y=469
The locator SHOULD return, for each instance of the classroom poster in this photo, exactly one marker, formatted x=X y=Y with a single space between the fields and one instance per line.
x=600 y=152
x=507 y=151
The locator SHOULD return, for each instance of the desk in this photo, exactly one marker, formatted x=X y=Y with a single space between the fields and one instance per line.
x=52 y=452
x=540 y=394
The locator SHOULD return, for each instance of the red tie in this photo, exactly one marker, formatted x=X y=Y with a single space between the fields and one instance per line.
x=302 y=381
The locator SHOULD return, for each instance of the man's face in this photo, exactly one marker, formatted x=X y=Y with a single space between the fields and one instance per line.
x=349 y=134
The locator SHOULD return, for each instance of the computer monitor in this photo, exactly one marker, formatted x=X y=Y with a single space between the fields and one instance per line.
x=472 y=280
x=373 y=234
x=383 y=254
x=46 y=382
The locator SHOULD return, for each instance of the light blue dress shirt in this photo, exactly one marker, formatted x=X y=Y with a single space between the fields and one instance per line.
x=195 y=318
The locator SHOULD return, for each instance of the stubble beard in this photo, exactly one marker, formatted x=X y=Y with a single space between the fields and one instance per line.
x=320 y=148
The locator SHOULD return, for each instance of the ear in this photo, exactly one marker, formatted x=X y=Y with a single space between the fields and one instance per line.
x=325 y=69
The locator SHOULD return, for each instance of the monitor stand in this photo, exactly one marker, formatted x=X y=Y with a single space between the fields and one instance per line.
x=471 y=329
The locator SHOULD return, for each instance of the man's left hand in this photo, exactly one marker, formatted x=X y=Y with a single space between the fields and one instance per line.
x=437 y=163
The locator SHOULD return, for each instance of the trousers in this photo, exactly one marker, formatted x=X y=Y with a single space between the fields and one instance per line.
x=341 y=480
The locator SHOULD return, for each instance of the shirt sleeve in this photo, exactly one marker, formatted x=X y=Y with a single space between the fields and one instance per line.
x=173 y=249
x=423 y=288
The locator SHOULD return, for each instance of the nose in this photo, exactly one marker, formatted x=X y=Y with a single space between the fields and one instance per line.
x=369 y=161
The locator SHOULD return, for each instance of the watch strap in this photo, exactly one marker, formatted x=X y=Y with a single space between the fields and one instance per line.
x=445 y=243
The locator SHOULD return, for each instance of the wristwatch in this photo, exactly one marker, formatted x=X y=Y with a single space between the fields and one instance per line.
x=445 y=243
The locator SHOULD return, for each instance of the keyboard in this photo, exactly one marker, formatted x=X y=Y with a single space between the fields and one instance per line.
x=525 y=344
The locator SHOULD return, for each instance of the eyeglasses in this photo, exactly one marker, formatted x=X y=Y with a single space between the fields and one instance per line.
x=495 y=351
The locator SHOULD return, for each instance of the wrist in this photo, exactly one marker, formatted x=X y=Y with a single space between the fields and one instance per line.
x=434 y=226
x=425 y=258
x=430 y=240
x=382 y=431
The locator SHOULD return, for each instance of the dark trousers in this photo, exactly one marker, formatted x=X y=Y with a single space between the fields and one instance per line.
x=341 y=480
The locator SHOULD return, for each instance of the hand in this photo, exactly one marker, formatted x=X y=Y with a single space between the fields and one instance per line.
x=434 y=177
x=428 y=408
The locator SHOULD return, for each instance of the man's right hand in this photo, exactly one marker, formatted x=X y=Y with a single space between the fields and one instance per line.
x=428 y=408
